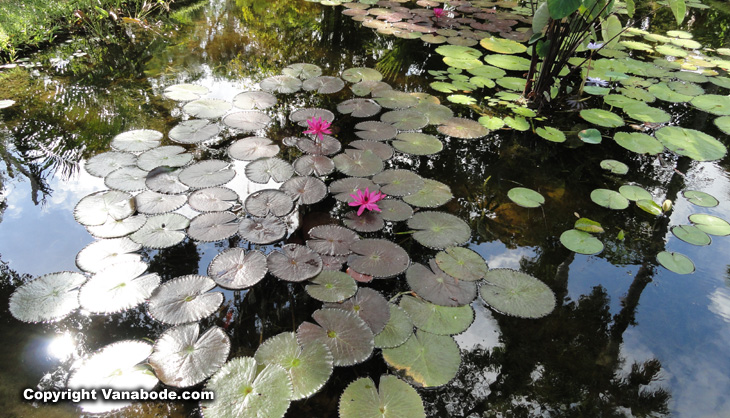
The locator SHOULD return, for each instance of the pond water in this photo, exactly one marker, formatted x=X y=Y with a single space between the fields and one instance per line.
x=626 y=335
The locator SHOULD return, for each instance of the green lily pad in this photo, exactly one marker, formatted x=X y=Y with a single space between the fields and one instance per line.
x=369 y=305
x=437 y=319
x=690 y=89
x=396 y=331
x=508 y=62
x=691 y=143
x=691 y=234
x=699 y=198
x=590 y=136
x=429 y=360
x=502 y=46
x=359 y=108
x=358 y=74
x=649 y=206
x=581 y=242
x=645 y=113
x=639 y=46
x=439 y=229
x=265 y=169
x=671 y=51
x=438 y=287
x=487 y=71
x=398 y=182
x=417 y=143
x=710 y=224
x=723 y=123
x=331 y=286
x=462 y=263
x=127 y=179
x=551 y=134
x=588 y=225
x=358 y=163
x=323 y=84
x=609 y=199
x=395 y=398
x=517 y=123
x=294 y=263
x=663 y=92
x=525 y=197
x=634 y=193
x=616 y=167
x=461 y=99
x=639 y=142
x=262 y=230
x=676 y=262
x=48 y=298
x=431 y=195
x=512 y=83
x=347 y=336
x=517 y=294
x=602 y=117
x=712 y=103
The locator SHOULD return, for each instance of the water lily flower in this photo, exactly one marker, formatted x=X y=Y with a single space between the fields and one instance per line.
x=438 y=12
x=594 y=45
x=318 y=127
x=366 y=200
x=595 y=81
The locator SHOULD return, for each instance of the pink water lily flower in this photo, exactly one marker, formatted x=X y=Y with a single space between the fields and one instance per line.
x=366 y=200
x=318 y=127
x=438 y=12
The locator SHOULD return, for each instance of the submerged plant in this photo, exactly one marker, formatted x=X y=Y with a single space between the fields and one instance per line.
x=367 y=200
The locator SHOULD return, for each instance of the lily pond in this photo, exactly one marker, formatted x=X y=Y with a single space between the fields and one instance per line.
x=351 y=209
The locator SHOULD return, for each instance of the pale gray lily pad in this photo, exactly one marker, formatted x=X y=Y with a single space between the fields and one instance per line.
x=127 y=179
x=394 y=210
x=193 y=131
x=294 y=263
x=394 y=398
x=265 y=169
x=429 y=360
x=691 y=143
x=357 y=163
x=183 y=358
x=161 y=231
x=328 y=145
x=527 y=198
x=364 y=88
x=153 y=203
x=405 y=120
x=439 y=229
x=253 y=148
x=117 y=366
x=262 y=230
x=609 y=199
x=213 y=199
x=366 y=222
x=381 y=149
x=245 y=389
x=375 y=131
x=102 y=164
x=393 y=99
x=462 y=128
x=518 y=294
x=207 y=173
x=343 y=188
x=346 y=335
x=213 y=226
x=165 y=180
x=358 y=74
x=118 y=287
x=581 y=242
x=417 y=143
x=324 y=84
x=691 y=234
x=102 y=253
x=116 y=228
x=235 y=268
x=207 y=108
x=437 y=319
x=300 y=116
x=169 y=155
x=247 y=120
x=97 y=208
x=378 y=258
x=436 y=113
x=317 y=165
x=710 y=224
x=250 y=100
x=369 y=305
x=438 y=287
x=281 y=84
x=138 y=140
x=614 y=166
x=184 y=92
x=269 y=201
x=307 y=190
x=397 y=330
x=309 y=365
x=398 y=182
x=331 y=240
x=359 y=108
x=333 y=262
x=331 y=286
x=432 y=194
x=699 y=198
x=302 y=71
x=462 y=263
x=48 y=298
x=676 y=262
x=184 y=299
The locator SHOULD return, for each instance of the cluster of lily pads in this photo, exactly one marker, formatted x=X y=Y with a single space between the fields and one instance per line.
x=257 y=195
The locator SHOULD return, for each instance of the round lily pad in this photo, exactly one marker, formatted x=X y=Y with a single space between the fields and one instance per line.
x=649 y=206
x=358 y=74
x=212 y=199
x=638 y=142
x=378 y=258
x=436 y=319
x=417 y=143
x=502 y=46
x=115 y=228
x=602 y=117
x=302 y=71
x=331 y=286
x=691 y=234
x=262 y=230
x=525 y=197
x=392 y=99
x=699 y=198
x=676 y=262
x=359 y=108
x=645 y=113
x=380 y=149
x=323 y=84
x=250 y=100
x=184 y=299
x=551 y=134
x=431 y=195
x=609 y=199
x=207 y=173
x=375 y=131
x=590 y=136
x=358 y=163
x=207 y=108
x=343 y=188
x=317 y=165
x=369 y=305
x=518 y=294
x=193 y=131
x=236 y=268
x=398 y=182
x=184 y=92
x=712 y=103
x=438 y=287
x=439 y=229
x=394 y=210
x=213 y=226
x=153 y=203
x=170 y=155
x=118 y=287
x=127 y=179
x=138 y=140
x=462 y=263
x=331 y=239
x=102 y=164
x=161 y=231
x=344 y=333
x=508 y=62
x=165 y=180
x=253 y=148
x=265 y=169
x=691 y=143
x=634 y=193
x=294 y=263
x=307 y=190
x=97 y=208
x=103 y=253
x=397 y=330
x=616 y=167
x=405 y=120
x=365 y=222
x=48 y=298
x=581 y=242
x=269 y=201
x=710 y=224
x=462 y=128
x=247 y=120
x=427 y=359
x=281 y=84
x=663 y=92
x=393 y=398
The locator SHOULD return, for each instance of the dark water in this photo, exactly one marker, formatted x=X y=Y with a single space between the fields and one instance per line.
x=626 y=335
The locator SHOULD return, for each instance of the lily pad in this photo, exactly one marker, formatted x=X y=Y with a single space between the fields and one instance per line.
x=212 y=199
x=138 y=140
x=369 y=305
x=378 y=258
x=247 y=120
x=309 y=366
x=645 y=113
x=691 y=143
x=710 y=224
x=331 y=239
x=343 y=188
x=116 y=228
x=265 y=169
x=250 y=100
x=358 y=74
x=393 y=399
x=344 y=333
x=588 y=225
x=184 y=299
x=439 y=229
x=634 y=193
x=525 y=197
x=317 y=165
x=170 y=155
x=609 y=199
x=581 y=242
x=502 y=46
x=437 y=319
x=269 y=201
x=366 y=222
x=615 y=167
x=262 y=230
x=375 y=131
x=127 y=179
x=393 y=99
x=207 y=173
x=364 y=88
x=712 y=103
x=699 y=198
x=398 y=182
x=300 y=116
x=213 y=226
x=358 y=163
x=397 y=330
x=323 y=84
x=381 y=149
x=432 y=194
x=307 y=190
x=294 y=263
x=207 y=108
x=438 y=287
x=417 y=143
x=153 y=203
x=508 y=62
x=518 y=294
x=405 y=120
x=97 y=208
x=302 y=71
x=161 y=231
x=394 y=210
x=281 y=84
x=462 y=263
x=118 y=287
x=236 y=268
x=462 y=128
x=193 y=131
x=590 y=136
x=184 y=92
x=102 y=164
x=359 y=108
x=602 y=117
x=676 y=262
x=103 y=253
x=181 y=359
x=691 y=234
x=649 y=206
x=429 y=360
x=638 y=142
x=253 y=148
x=331 y=286
x=165 y=180
x=48 y=298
